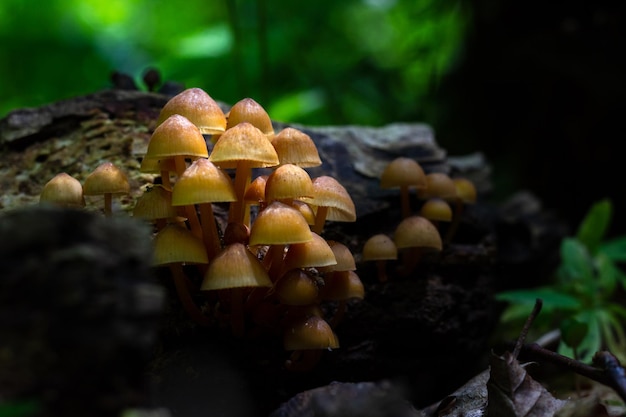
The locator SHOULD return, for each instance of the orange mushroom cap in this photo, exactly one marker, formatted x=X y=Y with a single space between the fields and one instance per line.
x=63 y=190
x=293 y=146
x=235 y=267
x=199 y=108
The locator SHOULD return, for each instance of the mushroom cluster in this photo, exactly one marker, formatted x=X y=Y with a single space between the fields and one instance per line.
x=440 y=199
x=264 y=269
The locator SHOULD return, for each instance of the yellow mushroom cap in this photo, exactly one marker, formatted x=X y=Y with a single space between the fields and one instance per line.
x=379 y=247
x=439 y=185
x=155 y=203
x=176 y=244
x=328 y=192
x=63 y=190
x=176 y=136
x=310 y=332
x=199 y=108
x=296 y=288
x=255 y=193
x=243 y=142
x=305 y=210
x=437 y=209
x=314 y=253
x=403 y=171
x=235 y=267
x=417 y=231
x=106 y=179
x=279 y=224
x=293 y=146
x=202 y=182
x=465 y=190
x=288 y=182
x=248 y=110
x=342 y=285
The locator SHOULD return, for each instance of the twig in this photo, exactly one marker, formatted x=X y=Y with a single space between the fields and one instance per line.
x=529 y=321
x=607 y=371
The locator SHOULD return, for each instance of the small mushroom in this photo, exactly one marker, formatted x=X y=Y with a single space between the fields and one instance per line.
x=106 y=180
x=63 y=190
x=380 y=248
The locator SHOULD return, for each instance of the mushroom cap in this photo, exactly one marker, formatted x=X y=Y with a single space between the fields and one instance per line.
x=417 y=231
x=288 y=182
x=342 y=286
x=379 y=247
x=343 y=255
x=293 y=146
x=155 y=203
x=465 y=190
x=176 y=136
x=235 y=267
x=296 y=288
x=310 y=332
x=156 y=166
x=305 y=210
x=439 y=185
x=63 y=190
x=197 y=106
x=328 y=192
x=248 y=110
x=106 y=179
x=314 y=253
x=243 y=142
x=255 y=193
x=202 y=182
x=437 y=209
x=403 y=171
x=176 y=244
x=279 y=224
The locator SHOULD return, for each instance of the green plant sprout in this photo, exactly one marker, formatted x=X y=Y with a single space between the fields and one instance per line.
x=586 y=298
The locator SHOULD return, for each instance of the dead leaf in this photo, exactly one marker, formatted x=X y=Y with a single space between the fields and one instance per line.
x=512 y=392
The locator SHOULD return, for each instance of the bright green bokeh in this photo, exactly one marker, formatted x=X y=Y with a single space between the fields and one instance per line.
x=366 y=62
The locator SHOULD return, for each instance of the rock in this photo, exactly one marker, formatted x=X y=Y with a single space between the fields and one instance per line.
x=79 y=310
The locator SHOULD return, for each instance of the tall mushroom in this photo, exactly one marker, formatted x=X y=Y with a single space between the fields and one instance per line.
x=331 y=202
x=403 y=173
x=243 y=147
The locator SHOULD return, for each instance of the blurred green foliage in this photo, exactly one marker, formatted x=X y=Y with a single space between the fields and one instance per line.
x=325 y=62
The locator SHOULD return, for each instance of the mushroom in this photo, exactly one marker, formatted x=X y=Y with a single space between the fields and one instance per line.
x=63 y=190
x=177 y=139
x=175 y=246
x=199 y=108
x=106 y=180
x=341 y=287
x=203 y=183
x=416 y=234
x=243 y=147
x=331 y=201
x=436 y=210
x=288 y=182
x=307 y=337
x=234 y=269
x=465 y=194
x=315 y=253
x=380 y=248
x=278 y=225
x=403 y=173
x=155 y=204
x=293 y=146
x=248 y=110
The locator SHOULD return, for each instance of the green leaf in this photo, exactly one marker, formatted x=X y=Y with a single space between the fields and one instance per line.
x=590 y=344
x=18 y=409
x=576 y=263
x=615 y=249
x=608 y=275
x=573 y=332
x=595 y=224
x=552 y=299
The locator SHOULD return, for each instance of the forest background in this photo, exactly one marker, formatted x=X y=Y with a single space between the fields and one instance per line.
x=537 y=86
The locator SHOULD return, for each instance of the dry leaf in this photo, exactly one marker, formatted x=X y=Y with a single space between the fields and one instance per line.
x=514 y=393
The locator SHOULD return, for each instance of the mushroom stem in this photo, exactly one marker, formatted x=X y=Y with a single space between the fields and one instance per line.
x=190 y=211
x=243 y=175
x=108 y=204
x=273 y=261
x=381 y=270
x=209 y=230
x=185 y=297
x=410 y=259
x=320 y=219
